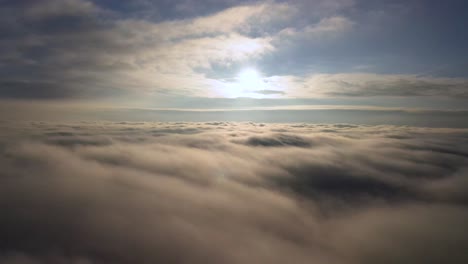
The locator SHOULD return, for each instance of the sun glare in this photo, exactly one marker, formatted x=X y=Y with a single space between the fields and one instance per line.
x=248 y=74
x=249 y=79
x=246 y=83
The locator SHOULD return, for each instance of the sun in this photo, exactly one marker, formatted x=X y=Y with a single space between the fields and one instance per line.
x=246 y=84
x=249 y=78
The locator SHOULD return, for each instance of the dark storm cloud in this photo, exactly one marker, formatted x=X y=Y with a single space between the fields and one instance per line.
x=343 y=194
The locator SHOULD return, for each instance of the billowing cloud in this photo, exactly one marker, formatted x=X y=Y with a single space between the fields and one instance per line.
x=220 y=192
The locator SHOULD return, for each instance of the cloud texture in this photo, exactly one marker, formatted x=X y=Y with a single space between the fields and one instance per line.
x=101 y=192
x=100 y=49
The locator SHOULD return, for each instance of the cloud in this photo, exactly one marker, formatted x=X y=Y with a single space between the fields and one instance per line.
x=327 y=26
x=354 y=85
x=73 y=49
x=55 y=8
x=154 y=193
x=243 y=109
x=333 y=24
x=363 y=84
x=82 y=49
x=277 y=141
x=269 y=92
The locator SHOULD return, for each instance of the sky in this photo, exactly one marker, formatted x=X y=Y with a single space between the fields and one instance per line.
x=233 y=131
x=231 y=54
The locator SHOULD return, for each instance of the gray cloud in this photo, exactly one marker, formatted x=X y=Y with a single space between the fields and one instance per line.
x=266 y=92
x=386 y=85
x=208 y=193
x=75 y=49
x=277 y=141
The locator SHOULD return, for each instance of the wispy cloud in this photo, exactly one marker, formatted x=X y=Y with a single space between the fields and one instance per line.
x=359 y=84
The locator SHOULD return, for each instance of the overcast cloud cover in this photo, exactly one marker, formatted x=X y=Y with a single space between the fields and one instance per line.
x=143 y=51
x=126 y=192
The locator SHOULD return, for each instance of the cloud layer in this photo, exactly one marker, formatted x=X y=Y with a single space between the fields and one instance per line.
x=102 y=192
x=303 y=49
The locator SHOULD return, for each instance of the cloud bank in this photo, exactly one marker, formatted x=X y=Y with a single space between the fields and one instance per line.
x=126 y=192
